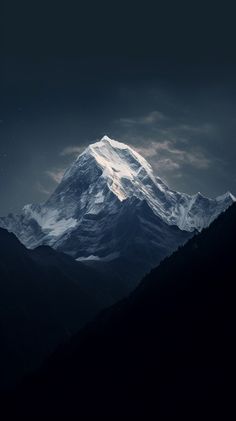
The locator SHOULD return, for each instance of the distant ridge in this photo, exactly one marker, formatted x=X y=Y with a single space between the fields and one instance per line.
x=110 y=206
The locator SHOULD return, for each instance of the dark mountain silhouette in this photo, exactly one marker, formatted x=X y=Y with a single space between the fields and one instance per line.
x=45 y=297
x=168 y=349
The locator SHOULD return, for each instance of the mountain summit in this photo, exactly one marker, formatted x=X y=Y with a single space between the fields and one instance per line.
x=115 y=167
x=109 y=205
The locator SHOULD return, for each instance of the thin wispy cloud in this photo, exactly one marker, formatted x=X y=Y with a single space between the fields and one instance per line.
x=42 y=189
x=53 y=176
x=56 y=174
x=72 y=150
x=165 y=125
x=166 y=155
x=151 y=118
x=167 y=164
x=169 y=144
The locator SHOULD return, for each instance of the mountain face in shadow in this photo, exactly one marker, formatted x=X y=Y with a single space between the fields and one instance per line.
x=143 y=241
x=111 y=211
x=45 y=297
x=168 y=349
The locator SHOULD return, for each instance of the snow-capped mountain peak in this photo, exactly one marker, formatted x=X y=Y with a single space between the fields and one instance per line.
x=226 y=196
x=119 y=164
x=106 y=186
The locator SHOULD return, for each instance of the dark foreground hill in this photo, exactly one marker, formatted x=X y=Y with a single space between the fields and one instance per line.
x=45 y=297
x=167 y=350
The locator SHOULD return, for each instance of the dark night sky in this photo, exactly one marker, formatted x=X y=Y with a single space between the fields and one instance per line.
x=160 y=78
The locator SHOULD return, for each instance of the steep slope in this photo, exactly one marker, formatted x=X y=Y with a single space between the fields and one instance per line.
x=105 y=184
x=167 y=350
x=45 y=296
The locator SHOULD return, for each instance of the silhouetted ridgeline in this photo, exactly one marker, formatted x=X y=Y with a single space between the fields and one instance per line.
x=45 y=297
x=168 y=349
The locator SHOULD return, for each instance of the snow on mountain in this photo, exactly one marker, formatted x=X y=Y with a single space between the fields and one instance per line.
x=110 y=203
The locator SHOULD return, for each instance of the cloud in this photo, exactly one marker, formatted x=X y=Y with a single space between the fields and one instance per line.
x=148 y=119
x=168 y=143
x=170 y=157
x=42 y=189
x=152 y=117
x=163 y=125
x=72 y=150
x=201 y=128
x=153 y=148
x=56 y=174
x=168 y=164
